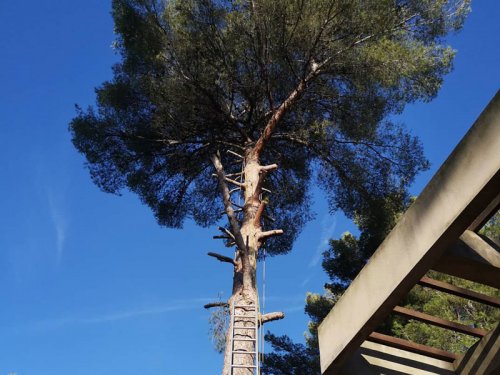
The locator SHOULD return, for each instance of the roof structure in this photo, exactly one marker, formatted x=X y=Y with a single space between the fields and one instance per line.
x=439 y=232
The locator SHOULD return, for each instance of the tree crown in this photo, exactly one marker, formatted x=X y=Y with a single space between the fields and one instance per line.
x=207 y=75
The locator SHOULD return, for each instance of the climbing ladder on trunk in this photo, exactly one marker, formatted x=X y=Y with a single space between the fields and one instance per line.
x=238 y=328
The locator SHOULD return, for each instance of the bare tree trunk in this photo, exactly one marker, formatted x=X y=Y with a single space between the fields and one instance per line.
x=244 y=280
x=249 y=236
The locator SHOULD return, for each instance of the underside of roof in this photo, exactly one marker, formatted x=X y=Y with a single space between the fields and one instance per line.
x=439 y=232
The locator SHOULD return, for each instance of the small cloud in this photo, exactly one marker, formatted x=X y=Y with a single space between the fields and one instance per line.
x=194 y=303
x=113 y=317
x=306 y=281
x=59 y=219
x=328 y=225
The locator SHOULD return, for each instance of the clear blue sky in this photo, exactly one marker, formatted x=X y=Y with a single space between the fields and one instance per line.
x=89 y=284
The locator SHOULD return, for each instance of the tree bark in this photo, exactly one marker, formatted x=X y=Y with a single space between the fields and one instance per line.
x=244 y=279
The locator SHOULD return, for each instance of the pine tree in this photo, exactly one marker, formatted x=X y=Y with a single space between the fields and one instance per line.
x=270 y=95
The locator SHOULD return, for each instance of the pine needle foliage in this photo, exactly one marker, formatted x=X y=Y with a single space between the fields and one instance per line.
x=197 y=76
x=218 y=323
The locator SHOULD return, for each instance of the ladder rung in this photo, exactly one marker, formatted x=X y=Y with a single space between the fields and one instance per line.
x=248 y=314
x=252 y=353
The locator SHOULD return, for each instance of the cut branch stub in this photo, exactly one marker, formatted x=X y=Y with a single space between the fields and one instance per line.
x=269 y=317
x=238 y=239
x=269 y=168
x=264 y=170
x=270 y=233
x=222 y=258
x=216 y=304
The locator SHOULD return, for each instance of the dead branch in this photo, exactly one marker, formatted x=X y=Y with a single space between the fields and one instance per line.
x=237 y=205
x=227 y=203
x=234 y=174
x=227 y=231
x=269 y=317
x=222 y=258
x=216 y=304
x=237 y=183
x=221 y=237
x=235 y=154
x=270 y=218
x=224 y=212
x=229 y=174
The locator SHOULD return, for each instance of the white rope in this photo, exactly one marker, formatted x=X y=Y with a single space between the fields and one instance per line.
x=263 y=304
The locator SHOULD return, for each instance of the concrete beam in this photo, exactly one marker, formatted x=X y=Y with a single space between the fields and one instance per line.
x=462 y=188
x=378 y=359
x=412 y=347
x=483 y=358
x=472 y=258
x=487 y=213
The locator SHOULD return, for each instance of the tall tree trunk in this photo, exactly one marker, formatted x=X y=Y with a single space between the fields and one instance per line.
x=244 y=280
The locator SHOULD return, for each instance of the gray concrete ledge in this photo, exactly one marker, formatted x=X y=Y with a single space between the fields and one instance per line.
x=459 y=192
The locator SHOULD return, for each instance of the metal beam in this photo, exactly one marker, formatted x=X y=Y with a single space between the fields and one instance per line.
x=486 y=215
x=459 y=192
x=459 y=292
x=438 y=322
